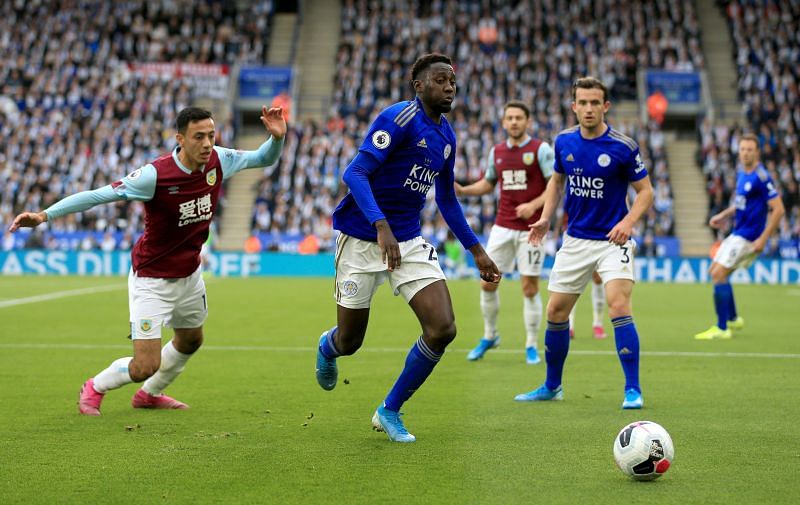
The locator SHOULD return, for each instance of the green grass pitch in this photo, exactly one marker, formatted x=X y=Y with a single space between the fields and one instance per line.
x=260 y=430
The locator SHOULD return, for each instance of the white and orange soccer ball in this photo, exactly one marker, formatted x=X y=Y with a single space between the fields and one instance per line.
x=643 y=450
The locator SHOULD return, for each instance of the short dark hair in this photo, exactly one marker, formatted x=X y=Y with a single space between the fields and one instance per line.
x=517 y=104
x=188 y=115
x=425 y=61
x=751 y=137
x=589 y=82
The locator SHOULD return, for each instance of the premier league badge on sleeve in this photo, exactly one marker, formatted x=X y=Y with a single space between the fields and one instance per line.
x=381 y=139
x=447 y=150
x=211 y=177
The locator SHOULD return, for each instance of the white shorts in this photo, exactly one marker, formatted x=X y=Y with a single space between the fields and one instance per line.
x=360 y=270
x=735 y=252
x=578 y=258
x=154 y=302
x=507 y=246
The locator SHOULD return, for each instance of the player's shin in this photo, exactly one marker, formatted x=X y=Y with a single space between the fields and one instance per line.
x=113 y=377
x=327 y=344
x=532 y=314
x=172 y=364
x=556 y=347
x=722 y=302
x=490 y=306
x=627 y=340
x=598 y=304
x=732 y=313
x=419 y=364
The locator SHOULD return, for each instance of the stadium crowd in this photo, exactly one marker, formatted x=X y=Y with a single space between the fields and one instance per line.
x=73 y=114
x=499 y=52
x=766 y=50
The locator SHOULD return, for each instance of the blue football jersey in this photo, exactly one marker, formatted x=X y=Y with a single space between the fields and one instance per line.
x=753 y=191
x=413 y=155
x=597 y=173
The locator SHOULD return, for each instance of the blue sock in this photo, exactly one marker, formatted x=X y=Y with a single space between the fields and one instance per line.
x=327 y=347
x=732 y=314
x=556 y=347
x=722 y=301
x=419 y=365
x=628 y=350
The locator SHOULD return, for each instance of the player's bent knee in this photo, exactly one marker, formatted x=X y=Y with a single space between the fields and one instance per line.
x=442 y=335
x=557 y=313
x=619 y=309
x=140 y=372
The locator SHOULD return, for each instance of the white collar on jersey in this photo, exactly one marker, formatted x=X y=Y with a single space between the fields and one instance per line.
x=528 y=138
x=180 y=165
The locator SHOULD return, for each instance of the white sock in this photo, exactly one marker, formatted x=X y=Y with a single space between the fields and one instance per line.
x=572 y=317
x=172 y=364
x=598 y=304
x=490 y=306
x=532 y=314
x=113 y=377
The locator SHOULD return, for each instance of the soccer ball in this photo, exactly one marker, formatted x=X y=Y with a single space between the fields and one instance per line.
x=643 y=450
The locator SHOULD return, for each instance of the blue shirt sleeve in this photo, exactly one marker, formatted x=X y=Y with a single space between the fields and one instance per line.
x=138 y=185
x=356 y=176
x=388 y=131
x=770 y=190
x=450 y=208
x=546 y=157
x=233 y=160
x=634 y=167
x=556 y=158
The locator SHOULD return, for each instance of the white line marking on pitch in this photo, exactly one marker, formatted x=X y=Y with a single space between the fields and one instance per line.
x=60 y=294
x=685 y=354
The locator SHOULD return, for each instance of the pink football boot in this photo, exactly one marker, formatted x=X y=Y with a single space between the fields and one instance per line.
x=144 y=400
x=89 y=399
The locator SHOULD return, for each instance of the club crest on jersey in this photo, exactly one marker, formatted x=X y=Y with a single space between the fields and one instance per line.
x=349 y=288
x=211 y=177
x=748 y=186
x=604 y=160
x=447 y=150
x=145 y=324
x=381 y=139
x=528 y=158
x=136 y=173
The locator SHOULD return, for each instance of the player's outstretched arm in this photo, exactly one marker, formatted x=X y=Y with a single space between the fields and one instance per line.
x=552 y=195
x=622 y=231
x=478 y=188
x=78 y=202
x=718 y=219
x=488 y=270
x=274 y=122
x=27 y=220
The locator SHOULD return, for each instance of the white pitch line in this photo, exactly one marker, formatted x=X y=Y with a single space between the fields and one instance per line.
x=60 y=294
x=264 y=348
